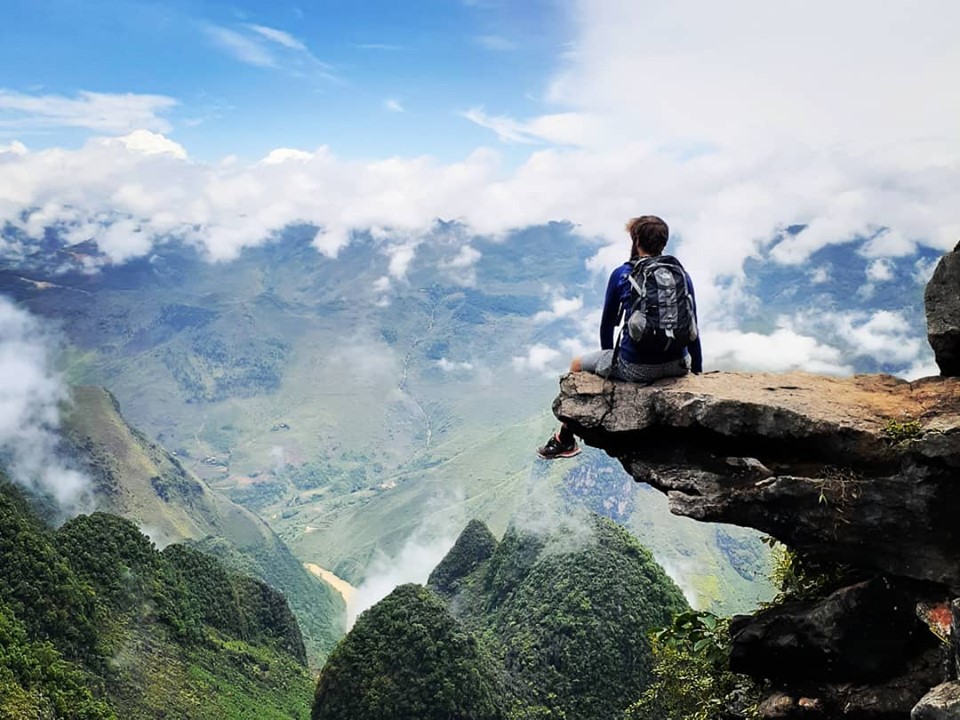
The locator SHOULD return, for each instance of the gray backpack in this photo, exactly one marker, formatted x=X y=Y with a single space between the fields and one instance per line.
x=661 y=317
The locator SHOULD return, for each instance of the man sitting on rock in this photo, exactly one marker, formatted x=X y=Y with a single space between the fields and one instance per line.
x=654 y=294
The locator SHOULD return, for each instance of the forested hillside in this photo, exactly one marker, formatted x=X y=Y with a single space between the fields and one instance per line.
x=540 y=625
x=97 y=624
x=140 y=480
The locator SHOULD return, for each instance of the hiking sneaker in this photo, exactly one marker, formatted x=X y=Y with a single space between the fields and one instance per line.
x=555 y=449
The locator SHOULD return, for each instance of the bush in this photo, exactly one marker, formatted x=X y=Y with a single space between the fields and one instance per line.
x=692 y=681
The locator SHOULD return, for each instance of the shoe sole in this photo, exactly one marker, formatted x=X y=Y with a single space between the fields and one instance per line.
x=567 y=454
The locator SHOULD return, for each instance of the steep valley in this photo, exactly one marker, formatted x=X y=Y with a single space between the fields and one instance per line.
x=354 y=421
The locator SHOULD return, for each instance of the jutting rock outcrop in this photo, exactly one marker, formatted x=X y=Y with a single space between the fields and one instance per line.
x=862 y=472
x=942 y=300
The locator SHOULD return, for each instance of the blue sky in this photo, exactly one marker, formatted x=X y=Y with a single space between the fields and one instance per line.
x=220 y=124
x=369 y=78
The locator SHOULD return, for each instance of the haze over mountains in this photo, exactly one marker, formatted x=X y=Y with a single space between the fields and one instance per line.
x=368 y=406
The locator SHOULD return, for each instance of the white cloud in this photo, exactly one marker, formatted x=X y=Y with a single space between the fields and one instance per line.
x=420 y=553
x=400 y=259
x=393 y=105
x=100 y=112
x=450 y=366
x=282 y=155
x=465 y=258
x=559 y=308
x=413 y=564
x=14 y=148
x=31 y=394
x=885 y=336
x=539 y=358
x=879 y=271
x=750 y=71
x=922 y=368
x=267 y=47
x=245 y=48
x=278 y=36
x=724 y=121
x=558 y=128
x=819 y=275
x=148 y=143
x=923 y=270
x=781 y=351
x=461 y=268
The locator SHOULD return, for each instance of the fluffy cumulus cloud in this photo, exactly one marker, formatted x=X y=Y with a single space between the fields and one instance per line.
x=879 y=270
x=31 y=394
x=539 y=358
x=884 y=336
x=734 y=121
x=781 y=351
x=560 y=307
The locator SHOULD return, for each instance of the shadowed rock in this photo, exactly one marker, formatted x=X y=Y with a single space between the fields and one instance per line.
x=942 y=301
x=863 y=632
x=941 y=703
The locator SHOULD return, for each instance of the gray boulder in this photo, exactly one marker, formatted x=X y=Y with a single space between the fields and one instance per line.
x=942 y=300
x=941 y=703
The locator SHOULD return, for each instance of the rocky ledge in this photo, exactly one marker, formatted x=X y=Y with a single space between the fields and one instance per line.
x=861 y=471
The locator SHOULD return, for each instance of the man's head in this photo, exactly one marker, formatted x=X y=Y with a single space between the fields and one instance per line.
x=648 y=234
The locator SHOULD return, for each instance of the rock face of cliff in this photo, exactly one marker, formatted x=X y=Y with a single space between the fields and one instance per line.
x=942 y=301
x=861 y=471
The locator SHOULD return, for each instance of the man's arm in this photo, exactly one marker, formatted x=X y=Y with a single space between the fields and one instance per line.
x=611 y=310
x=696 y=352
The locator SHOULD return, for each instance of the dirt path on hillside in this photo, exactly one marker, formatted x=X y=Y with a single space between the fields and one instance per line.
x=346 y=590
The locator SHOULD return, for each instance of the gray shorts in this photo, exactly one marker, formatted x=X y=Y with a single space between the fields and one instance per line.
x=601 y=363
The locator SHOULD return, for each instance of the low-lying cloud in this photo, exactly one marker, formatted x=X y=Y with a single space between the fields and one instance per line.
x=31 y=396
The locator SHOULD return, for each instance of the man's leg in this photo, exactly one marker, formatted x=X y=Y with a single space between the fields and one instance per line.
x=562 y=444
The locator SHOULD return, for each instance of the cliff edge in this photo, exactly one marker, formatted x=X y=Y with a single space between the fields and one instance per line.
x=860 y=472
x=860 y=475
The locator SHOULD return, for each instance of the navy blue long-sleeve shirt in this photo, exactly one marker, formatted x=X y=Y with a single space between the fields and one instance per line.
x=616 y=301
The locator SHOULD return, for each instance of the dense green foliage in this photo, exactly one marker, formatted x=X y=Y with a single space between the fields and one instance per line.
x=130 y=576
x=96 y=624
x=407 y=657
x=36 y=681
x=569 y=613
x=475 y=545
x=318 y=608
x=237 y=604
x=691 y=655
x=564 y=615
x=138 y=479
x=691 y=677
x=39 y=586
x=49 y=646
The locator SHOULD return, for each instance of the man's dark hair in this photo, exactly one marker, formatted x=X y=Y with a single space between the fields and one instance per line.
x=649 y=233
